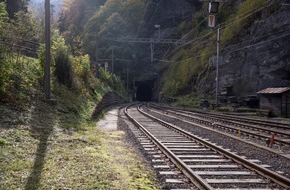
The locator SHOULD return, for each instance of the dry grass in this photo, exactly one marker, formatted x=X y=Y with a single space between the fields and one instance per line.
x=36 y=152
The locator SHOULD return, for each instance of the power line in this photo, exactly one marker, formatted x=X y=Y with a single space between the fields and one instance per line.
x=150 y=40
x=259 y=37
x=237 y=49
x=228 y=23
x=198 y=25
x=142 y=19
x=155 y=11
x=259 y=43
x=164 y=55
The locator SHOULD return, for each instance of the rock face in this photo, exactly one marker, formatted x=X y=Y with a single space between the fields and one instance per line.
x=169 y=14
x=257 y=58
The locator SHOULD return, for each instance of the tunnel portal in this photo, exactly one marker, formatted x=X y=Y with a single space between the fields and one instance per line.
x=144 y=92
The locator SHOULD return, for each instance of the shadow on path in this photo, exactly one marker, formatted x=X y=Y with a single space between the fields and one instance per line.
x=42 y=127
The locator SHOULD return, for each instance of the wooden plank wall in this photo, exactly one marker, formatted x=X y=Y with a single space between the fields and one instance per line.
x=285 y=107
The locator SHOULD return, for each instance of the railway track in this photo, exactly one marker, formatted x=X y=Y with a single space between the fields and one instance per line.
x=206 y=165
x=242 y=127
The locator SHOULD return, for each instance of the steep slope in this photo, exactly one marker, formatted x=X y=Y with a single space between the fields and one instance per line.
x=254 y=49
x=254 y=44
x=257 y=57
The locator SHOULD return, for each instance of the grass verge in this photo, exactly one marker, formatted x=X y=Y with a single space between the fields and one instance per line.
x=39 y=151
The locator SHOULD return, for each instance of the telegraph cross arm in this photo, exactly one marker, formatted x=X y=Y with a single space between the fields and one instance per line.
x=151 y=40
x=208 y=1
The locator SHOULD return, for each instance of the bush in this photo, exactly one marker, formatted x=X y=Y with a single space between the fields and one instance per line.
x=2 y=142
x=18 y=79
x=111 y=80
x=63 y=70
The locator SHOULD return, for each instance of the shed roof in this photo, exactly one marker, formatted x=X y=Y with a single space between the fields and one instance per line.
x=274 y=90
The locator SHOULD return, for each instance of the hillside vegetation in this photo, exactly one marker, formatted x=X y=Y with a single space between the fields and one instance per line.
x=57 y=146
x=184 y=70
x=191 y=62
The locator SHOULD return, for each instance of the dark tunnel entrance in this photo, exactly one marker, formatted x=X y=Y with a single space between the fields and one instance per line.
x=144 y=91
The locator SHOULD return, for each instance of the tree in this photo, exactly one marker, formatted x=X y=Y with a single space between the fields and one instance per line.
x=14 y=6
x=3 y=15
x=73 y=19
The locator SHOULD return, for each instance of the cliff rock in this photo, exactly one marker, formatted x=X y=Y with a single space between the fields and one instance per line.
x=257 y=58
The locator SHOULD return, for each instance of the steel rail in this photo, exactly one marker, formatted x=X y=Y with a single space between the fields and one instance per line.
x=237 y=118
x=228 y=135
x=243 y=131
x=177 y=161
x=253 y=121
x=277 y=178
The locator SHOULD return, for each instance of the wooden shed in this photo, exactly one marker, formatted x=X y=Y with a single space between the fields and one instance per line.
x=277 y=100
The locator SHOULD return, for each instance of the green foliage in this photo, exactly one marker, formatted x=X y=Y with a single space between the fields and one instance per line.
x=183 y=72
x=240 y=19
x=180 y=76
x=112 y=81
x=113 y=20
x=15 y=6
x=199 y=18
x=3 y=13
x=190 y=64
x=63 y=70
x=19 y=78
x=18 y=73
x=21 y=28
x=208 y=51
x=2 y=142
x=191 y=100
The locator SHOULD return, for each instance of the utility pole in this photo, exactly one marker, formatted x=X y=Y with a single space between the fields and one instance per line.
x=112 y=60
x=152 y=50
x=158 y=26
x=47 y=49
x=213 y=7
x=217 y=65
x=127 y=77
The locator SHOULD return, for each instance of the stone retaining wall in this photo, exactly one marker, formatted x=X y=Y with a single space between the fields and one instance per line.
x=109 y=99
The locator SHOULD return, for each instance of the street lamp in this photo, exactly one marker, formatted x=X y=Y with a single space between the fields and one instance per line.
x=158 y=26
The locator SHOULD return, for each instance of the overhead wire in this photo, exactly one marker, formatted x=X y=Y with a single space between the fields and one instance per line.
x=142 y=18
x=155 y=11
x=184 y=37
x=198 y=24
x=249 y=46
x=259 y=35
x=237 y=49
x=249 y=13
x=258 y=38
x=234 y=20
x=188 y=33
